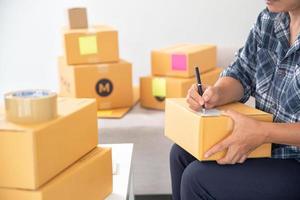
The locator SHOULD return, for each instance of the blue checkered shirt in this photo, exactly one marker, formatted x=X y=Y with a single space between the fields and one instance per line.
x=269 y=70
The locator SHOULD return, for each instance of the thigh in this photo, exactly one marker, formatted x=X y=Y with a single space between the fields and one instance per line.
x=180 y=157
x=255 y=179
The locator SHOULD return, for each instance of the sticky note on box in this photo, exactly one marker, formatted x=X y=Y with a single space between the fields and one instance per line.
x=88 y=45
x=159 y=87
x=179 y=62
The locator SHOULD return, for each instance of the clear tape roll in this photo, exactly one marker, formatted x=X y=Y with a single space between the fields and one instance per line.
x=30 y=106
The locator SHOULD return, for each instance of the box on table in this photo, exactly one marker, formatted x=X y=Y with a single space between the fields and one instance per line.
x=30 y=155
x=98 y=44
x=78 y=18
x=154 y=90
x=89 y=178
x=197 y=134
x=110 y=84
x=180 y=60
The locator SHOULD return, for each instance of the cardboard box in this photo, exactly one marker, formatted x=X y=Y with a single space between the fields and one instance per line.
x=197 y=134
x=180 y=60
x=78 y=18
x=30 y=155
x=118 y=113
x=154 y=90
x=98 y=44
x=110 y=84
x=89 y=178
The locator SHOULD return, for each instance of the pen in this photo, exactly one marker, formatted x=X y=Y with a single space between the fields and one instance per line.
x=199 y=85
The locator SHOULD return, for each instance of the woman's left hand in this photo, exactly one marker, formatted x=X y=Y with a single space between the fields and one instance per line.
x=247 y=134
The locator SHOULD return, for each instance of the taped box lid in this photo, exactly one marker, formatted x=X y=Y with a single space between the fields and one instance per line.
x=65 y=106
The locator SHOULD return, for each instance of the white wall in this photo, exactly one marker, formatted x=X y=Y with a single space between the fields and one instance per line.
x=30 y=37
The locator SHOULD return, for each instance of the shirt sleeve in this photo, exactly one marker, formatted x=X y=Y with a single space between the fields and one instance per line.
x=243 y=68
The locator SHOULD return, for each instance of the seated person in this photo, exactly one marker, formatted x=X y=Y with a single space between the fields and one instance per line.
x=267 y=68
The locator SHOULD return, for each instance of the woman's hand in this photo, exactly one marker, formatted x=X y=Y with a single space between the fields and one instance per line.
x=210 y=98
x=247 y=134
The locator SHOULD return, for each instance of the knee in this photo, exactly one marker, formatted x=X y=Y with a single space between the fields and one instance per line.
x=190 y=178
x=192 y=183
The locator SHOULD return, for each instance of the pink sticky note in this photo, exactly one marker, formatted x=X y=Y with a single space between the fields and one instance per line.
x=179 y=62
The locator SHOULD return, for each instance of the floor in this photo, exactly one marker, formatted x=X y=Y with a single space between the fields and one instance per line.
x=153 y=197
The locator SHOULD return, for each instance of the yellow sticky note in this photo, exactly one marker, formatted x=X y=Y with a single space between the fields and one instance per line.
x=88 y=45
x=159 y=87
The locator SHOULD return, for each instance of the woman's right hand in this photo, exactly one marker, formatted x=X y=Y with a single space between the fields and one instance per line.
x=210 y=97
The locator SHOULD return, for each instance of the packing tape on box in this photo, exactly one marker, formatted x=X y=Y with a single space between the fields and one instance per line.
x=104 y=68
x=30 y=106
x=92 y=30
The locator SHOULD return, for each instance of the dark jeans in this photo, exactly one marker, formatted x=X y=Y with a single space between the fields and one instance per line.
x=256 y=179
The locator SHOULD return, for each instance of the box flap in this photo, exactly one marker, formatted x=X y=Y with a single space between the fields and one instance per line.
x=238 y=107
x=65 y=106
x=171 y=48
x=86 y=160
x=186 y=48
x=92 y=29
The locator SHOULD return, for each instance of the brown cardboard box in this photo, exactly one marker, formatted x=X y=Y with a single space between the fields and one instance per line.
x=110 y=84
x=154 y=89
x=117 y=113
x=78 y=18
x=30 y=155
x=197 y=134
x=180 y=60
x=89 y=178
x=98 y=44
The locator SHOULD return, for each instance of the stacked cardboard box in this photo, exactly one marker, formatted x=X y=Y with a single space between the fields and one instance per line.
x=173 y=72
x=57 y=159
x=91 y=67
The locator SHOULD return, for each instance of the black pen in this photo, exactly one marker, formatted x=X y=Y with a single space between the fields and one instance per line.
x=199 y=86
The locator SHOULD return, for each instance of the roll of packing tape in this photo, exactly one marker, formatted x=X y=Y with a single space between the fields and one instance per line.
x=30 y=106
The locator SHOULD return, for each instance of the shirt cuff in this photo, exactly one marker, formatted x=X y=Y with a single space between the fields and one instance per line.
x=228 y=72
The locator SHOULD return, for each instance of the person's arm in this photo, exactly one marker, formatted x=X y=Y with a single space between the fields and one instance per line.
x=230 y=89
x=248 y=134
x=282 y=133
x=225 y=90
x=237 y=82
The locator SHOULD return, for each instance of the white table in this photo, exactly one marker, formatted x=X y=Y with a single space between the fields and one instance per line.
x=123 y=177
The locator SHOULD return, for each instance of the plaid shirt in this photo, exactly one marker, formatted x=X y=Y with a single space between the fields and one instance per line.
x=269 y=70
